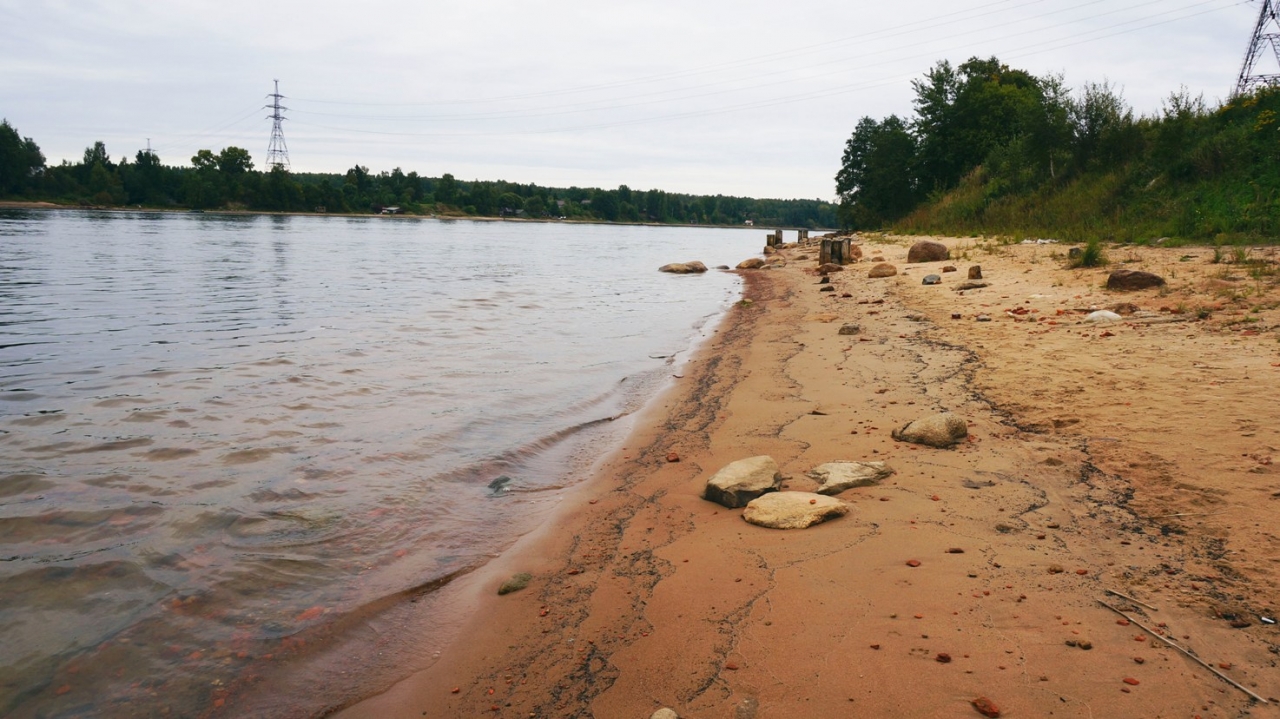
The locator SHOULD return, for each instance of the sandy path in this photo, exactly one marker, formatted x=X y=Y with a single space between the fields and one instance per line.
x=645 y=595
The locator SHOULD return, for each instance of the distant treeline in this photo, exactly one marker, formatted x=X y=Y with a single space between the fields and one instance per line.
x=228 y=180
x=995 y=150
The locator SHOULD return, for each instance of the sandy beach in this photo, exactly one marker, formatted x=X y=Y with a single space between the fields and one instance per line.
x=1133 y=456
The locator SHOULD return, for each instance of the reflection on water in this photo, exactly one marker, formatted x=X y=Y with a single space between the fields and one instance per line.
x=220 y=432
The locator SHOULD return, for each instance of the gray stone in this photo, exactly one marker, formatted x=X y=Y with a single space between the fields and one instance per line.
x=882 y=270
x=684 y=268
x=928 y=251
x=824 y=281
x=754 y=263
x=975 y=272
x=1129 y=280
x=837 y=477
x=1075 y=253
x=932 y=280
x=793 y=510
x=850 y=329
x=939 y=430
x=737 y=483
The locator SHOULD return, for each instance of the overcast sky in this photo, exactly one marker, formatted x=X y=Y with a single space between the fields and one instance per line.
x=709 y=96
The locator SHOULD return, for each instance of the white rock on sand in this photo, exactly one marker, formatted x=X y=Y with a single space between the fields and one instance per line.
x=793 y=510
x=737 y=483
x=837 y=477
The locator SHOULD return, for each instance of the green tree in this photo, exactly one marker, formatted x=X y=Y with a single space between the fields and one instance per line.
x=875 y=182
x=509 y=203
x=20 y=161
x=535 y=206
x=604 y=204
x=446 y=190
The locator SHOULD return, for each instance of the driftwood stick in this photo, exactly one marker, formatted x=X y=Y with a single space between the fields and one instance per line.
x=1186 y=653
x=1135 y=601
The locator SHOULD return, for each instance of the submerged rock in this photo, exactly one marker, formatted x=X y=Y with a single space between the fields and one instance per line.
x=515 y=583
x=739 y=482
x=837 y=477
x=793 y=510
x=684 y=268
x=939 y=430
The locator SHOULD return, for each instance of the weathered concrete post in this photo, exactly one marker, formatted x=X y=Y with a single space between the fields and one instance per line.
x=836 y=252
x=803 y=237
x=771 y=240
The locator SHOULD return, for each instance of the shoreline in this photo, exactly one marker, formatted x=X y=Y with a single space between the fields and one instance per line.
x=41 y=205
x=644 y=595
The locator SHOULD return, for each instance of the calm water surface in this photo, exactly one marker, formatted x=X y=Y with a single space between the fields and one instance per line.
x=218 y=433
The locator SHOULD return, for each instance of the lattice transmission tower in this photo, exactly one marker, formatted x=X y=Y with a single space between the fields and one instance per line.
x=278 y=151
x=1266 y=37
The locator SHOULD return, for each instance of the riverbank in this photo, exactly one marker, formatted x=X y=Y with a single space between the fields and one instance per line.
x=1134 y=456
x=25 y=205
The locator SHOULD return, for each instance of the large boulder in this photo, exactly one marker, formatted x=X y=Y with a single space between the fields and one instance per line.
x=883 y=269
x=793 y=510
x=836 y=477
x=928 y=251
x=684 y=268
x=754 y=263
x=1129 y=280
x=739 y=482
x=939 y=430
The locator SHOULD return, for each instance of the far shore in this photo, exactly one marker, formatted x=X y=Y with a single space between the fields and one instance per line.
x=26 y=205
x=1124 y=466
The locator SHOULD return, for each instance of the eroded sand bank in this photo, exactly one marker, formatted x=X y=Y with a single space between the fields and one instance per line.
x=1133 y=456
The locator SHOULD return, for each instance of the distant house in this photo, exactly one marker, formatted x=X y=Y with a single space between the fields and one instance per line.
x=750 y=223
x=390 y=211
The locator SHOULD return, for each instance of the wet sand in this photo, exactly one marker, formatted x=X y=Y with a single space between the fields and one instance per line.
x=1134 y=456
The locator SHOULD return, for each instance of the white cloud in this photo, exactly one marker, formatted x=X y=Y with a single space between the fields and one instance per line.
x=715 y=96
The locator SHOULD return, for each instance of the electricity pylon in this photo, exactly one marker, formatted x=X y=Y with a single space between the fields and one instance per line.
x=1266 y=36
x=277 y=151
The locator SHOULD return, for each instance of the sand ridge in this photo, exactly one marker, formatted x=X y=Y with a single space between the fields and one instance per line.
x=1132 y=456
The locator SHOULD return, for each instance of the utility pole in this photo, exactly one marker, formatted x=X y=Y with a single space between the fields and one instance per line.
x=277 y=151
x=1266 y=36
